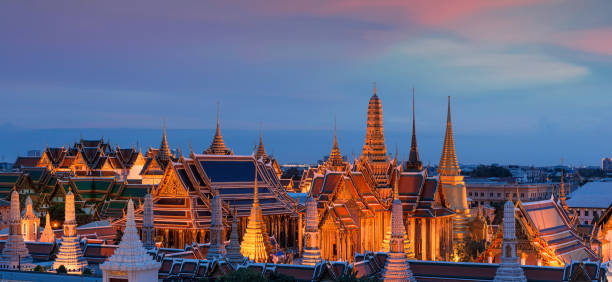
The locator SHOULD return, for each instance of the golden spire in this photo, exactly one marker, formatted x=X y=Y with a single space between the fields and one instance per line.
x=374 y=89
x=414 y=163
x=396 y=185
x=218 y=145
x=164 y=150
x=335 y=159
x=253 y=245
x=448 y=162
x=261 y=151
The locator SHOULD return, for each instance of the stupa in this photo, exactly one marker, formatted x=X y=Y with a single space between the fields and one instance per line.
x=15 y=254
x=217 y=245
x=70 y=254
x=311 y=253
x=253 y=246
x=509 y=268
x=397 y=267
x=130 y=262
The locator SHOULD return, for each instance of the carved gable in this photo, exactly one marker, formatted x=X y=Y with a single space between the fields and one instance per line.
x=171 y=185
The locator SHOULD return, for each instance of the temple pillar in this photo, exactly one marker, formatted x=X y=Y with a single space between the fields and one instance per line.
x=300 y=235
x=423 y=238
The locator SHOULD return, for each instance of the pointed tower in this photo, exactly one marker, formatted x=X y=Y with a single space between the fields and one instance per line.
x=164 y=154
x=509 y=267
x=335 y=160
x=70 y=254
x=47 y=236
x=311 y=253
x=130 y=262
x=148 y=226
x=408 y=244
x=414 y=162
x=397 y=267
x=253 y=242
x=30 y=223
x=374 y=149
x=15 y=255
x=217 y=238
x=261 y=151
x=452 y=183
x=233 y=255
x=218 y=145
x=562 y=197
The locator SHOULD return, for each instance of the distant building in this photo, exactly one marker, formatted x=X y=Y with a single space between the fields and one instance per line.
x=34 y=153
x=485 y=191
x=590 y=201
x=606 y=165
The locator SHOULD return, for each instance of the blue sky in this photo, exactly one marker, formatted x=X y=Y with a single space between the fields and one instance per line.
x=530 y=80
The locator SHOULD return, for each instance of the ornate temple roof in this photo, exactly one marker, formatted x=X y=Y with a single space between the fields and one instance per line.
x=374 y=147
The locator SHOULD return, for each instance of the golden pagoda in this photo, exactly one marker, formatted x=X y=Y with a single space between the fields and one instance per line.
x=47 y=235
x=374 y=149
x=164 y=154
x=453 y=184
x=253 y=243
x=335 y=161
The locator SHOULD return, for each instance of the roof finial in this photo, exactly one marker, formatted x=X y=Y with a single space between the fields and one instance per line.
x=218 y=110
x=395 y=185
x=374 y=88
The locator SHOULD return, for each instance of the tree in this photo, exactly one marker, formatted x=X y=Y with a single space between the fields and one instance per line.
x=87 y=271
x=470 y=249
x=293 y=173
x=490 y=171
x=118 y=236
x=243 y=275
x=62 y=269
x=39 y=268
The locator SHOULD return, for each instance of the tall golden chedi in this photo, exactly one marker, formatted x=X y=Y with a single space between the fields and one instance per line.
x=253 y=246
x=311 y=253
x=374 y=149
x=15 y=255
x=70 y=254
x=453 y=184
x=396 y=266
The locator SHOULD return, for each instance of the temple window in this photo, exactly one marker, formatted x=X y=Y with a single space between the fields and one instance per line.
x=586 y=213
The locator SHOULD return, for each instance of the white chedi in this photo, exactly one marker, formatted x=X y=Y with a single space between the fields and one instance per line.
x=130 y=261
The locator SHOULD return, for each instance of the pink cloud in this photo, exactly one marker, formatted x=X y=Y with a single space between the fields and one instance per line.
x=592 y=40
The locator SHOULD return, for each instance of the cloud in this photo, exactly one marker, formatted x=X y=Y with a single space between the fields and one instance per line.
x=597 y=40
x=490 y=67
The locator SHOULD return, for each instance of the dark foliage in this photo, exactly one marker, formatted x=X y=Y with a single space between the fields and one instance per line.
x=490 y=171
x=39 y=268
x=62 y=269
x=469 y=250
x=292 y=173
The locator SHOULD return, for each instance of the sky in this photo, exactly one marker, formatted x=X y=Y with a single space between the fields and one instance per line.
x=530 y=80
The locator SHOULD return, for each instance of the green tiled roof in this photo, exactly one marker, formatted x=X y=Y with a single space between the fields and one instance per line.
x=9 y=178
x=92 y=196
x=134 y=192
x=35 y=174
x=116 y=188
x=117 y=205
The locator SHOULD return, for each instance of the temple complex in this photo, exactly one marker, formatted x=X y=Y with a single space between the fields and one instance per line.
x=217 y=147
x=15 y=255
x=130 y=262
x=70 y=255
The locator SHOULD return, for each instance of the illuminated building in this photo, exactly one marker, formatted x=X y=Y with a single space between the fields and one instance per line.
x=70 y=254
x=130 y=262
x=30 y=223
x=15 y=255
